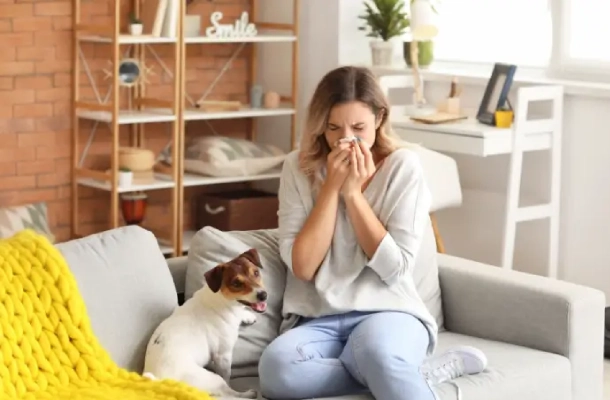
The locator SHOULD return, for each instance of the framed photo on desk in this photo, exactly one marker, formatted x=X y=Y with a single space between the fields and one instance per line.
x=496 y=92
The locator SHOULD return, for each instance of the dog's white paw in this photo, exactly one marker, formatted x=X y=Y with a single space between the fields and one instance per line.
x=249 y=318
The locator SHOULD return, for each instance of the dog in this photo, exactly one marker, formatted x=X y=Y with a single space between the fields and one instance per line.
x=199 y=336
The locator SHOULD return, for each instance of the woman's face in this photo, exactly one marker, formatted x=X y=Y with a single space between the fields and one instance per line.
x=351 y=119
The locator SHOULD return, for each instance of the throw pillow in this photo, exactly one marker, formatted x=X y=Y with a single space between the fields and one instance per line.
x=222 y=156
x=29 y=216
x=210 y=247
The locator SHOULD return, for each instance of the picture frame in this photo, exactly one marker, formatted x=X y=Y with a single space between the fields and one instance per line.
x=496 y=92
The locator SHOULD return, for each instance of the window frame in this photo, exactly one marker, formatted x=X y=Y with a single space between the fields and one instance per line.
x=562 y=65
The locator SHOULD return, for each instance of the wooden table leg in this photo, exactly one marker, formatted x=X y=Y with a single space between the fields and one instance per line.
x=440 y=246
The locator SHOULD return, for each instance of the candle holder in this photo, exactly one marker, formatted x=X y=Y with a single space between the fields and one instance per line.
x=133 y=207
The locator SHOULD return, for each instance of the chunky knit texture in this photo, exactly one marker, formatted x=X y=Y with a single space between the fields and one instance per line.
x=47 y=347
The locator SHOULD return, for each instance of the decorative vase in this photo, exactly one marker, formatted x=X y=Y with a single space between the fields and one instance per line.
x=382 y=53
x=136 y=29
x=425 y=54
x=272 y=100
x=133 y=207
x=125 y=178
x=256 y=96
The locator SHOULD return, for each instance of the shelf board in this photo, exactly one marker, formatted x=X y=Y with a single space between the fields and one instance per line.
x=163 y=181
x=129 y=116
x=200 y=180
x=194 y=114
x=128 y=39
x=260 y=38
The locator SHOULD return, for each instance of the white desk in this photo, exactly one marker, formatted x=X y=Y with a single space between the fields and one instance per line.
x=470 y=137
x=467 y=136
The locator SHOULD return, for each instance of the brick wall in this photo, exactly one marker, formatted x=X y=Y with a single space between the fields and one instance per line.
x=35 y=120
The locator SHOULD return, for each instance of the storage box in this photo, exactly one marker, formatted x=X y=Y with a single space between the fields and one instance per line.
x=241 y=210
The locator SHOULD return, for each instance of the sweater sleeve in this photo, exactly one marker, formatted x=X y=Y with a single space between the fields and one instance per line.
x=291 y=213
x=408 y=199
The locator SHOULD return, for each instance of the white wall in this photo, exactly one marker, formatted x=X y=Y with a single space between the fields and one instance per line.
x=330 y=37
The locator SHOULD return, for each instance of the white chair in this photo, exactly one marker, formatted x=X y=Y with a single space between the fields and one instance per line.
x=526 y=134
x=440 y=170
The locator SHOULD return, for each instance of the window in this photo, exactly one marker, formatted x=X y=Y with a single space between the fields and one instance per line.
x=488 y=31
x=588 y=29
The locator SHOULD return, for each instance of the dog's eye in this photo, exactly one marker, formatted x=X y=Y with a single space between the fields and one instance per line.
x=256 y=273
x=237 y=284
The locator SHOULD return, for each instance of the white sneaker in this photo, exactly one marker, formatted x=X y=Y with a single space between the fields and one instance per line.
x=453 y=363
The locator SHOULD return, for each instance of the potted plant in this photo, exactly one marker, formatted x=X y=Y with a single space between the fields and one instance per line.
x=384 y=20
x=125 y=177
x=135 y=25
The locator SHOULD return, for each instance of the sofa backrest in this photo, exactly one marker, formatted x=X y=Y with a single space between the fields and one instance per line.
x=127 y=288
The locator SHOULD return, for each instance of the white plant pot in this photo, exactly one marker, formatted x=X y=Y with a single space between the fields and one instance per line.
x=382 y=52
x=125 y=178
x=136 y=29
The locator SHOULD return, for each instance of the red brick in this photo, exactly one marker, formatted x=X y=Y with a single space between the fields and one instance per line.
x=53 y=8
x=16 y=39
x=36 y=139
x=35 y=53
x=52 y=95
x=62 y=23
x=46 y=67
x=62 y=79
x=35 y=167
x=32 y=24
x=19 y=96
x=16 y=68
x=7 y=168
x=17 y=182
x=36 y=195
x=16 y=10
x=33 y=82
x=6 y=83
x=32 y=110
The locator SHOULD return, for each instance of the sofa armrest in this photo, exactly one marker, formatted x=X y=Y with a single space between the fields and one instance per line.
x=177 y=266
x=549 y=315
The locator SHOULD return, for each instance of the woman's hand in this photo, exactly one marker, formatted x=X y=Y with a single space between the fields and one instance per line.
x=337 y=167
x=361 y=168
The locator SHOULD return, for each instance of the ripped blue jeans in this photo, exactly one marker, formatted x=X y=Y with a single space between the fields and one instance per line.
x=347 y=354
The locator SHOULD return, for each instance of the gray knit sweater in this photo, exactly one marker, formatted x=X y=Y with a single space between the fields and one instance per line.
x=348 y=280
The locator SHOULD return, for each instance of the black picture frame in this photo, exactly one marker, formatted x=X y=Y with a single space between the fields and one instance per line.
x=496 y=92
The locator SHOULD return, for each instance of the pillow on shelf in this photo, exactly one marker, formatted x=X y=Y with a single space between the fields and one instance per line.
x=210 y=247
x=221 y=156
x=29 y=216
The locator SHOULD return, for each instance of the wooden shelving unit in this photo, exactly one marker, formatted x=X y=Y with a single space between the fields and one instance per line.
x=142 y=110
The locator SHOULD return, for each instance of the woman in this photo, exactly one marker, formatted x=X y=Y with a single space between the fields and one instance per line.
x=351 y=219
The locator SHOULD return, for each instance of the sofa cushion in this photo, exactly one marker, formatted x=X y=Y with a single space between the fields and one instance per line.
x=127 y=288
x=513 y=372
x=210 y=247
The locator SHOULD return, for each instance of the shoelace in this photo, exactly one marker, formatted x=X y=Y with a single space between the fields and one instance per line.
x=447 y=370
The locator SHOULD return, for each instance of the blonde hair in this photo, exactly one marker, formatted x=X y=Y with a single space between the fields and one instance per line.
x=342 y=85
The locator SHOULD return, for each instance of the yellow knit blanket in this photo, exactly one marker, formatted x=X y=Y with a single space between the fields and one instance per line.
x=47 y=346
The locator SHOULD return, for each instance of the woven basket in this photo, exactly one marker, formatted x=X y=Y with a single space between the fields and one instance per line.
x=136 y=159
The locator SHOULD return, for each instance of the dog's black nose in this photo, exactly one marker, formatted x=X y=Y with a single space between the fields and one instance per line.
x=261 y=296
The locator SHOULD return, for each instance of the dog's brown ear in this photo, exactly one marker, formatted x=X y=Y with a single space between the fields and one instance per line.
x=214 y=278
x=252 y=256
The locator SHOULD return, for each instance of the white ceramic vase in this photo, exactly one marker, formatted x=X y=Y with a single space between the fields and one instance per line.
x=125 y=178
x=136 y=29
x=382 y=52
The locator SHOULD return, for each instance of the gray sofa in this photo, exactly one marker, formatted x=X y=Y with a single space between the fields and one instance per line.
x=543 y=338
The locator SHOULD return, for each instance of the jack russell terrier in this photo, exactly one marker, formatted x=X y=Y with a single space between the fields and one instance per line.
x=203 y=331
